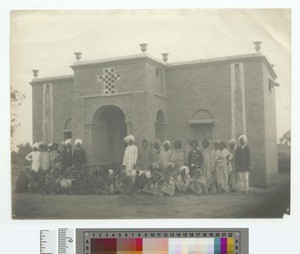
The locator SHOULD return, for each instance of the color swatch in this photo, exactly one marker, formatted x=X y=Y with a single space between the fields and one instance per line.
x=162 y=246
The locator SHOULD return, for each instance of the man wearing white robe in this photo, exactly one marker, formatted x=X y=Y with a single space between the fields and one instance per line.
x=35 y=158
x=130 y=156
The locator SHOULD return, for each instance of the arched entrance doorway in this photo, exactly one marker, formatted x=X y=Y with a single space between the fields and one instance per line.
x=160 y=126
x=108 y=134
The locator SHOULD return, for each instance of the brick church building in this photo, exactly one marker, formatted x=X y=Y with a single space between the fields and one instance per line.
x=106 y=99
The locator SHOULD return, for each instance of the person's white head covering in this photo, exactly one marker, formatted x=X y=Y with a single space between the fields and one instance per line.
x=187 y=170
x=244 y=138
x=110 y=171
x=36 y=145
x=128 y=138
x=232 y=141
x=68 y=141
x=166 y=142
x=78 y=141
x=50 y=145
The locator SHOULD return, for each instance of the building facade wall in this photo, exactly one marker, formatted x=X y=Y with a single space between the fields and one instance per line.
x=62 y=96
x=199 y=87
x=37 y=113
x=270 y=127
x=255 y=121
x=86 y=77
x=62 y=107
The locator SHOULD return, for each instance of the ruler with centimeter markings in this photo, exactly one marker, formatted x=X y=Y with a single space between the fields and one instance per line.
x=66 y=241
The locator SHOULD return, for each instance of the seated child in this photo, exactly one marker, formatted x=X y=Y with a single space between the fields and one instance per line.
x=140 y=182
x=183 y=180
x=100 y=185
x=41 y=180
x=127 y=185
x=51 y=185
x=66 y=184
x=33 y=181
x=119 y=182
x=149 y=187
x=199 y=184
x=168 y=186
x=158 y=184
x=111 y=182
x=22 y=182
x=88 y=183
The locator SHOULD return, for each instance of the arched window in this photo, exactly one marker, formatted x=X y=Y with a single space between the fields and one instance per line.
x=68 y=129
x=160 y=126
x=202 y=125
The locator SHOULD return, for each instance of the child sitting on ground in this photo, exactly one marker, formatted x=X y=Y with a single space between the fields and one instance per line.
x=140 y=182
x=168 y=186
x=183 y=180
x=111 y=182
x=100 y=185
x=199 y=183
x=22 y=182
x=51 y=185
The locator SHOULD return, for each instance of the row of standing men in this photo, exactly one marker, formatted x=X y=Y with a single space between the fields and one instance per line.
x=44 y=156
x=224 y=169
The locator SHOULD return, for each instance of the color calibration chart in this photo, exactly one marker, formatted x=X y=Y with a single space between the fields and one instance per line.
x=162 y=241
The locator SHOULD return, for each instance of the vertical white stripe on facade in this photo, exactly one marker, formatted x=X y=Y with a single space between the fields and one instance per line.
x=48 y=132
x=243 y=96
x=233 y=101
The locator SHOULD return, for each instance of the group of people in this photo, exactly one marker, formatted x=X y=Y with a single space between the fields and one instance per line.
x=198 y=170
x=156 y=169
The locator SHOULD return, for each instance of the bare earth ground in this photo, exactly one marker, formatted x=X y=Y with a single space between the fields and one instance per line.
x=260 y=203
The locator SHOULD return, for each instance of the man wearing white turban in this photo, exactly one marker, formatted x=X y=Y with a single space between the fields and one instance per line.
x=79 y=155
x=130 y=156
x=243 y=164
x=67 y=155
x=35 y=158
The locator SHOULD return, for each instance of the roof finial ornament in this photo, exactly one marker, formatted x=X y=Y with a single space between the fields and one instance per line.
x=143 y=47
x=35 y=73
x=165 y=56
x=78 y=55
x=257 y=45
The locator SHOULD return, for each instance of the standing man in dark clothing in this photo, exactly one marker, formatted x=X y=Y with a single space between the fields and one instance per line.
x=242 y=164
x=67 y=156
x=195 y=157
x=79 y=156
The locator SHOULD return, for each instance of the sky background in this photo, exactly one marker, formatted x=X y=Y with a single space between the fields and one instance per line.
x=47 y=41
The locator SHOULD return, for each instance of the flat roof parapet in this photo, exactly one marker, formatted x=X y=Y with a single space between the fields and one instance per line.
x=49 y=79
x=117 y=59
x=158 y=62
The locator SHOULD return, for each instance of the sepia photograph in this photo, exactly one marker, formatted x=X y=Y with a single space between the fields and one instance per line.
x=150 y=114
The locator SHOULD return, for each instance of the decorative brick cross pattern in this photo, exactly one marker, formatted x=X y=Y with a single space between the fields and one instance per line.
x=109 y=77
